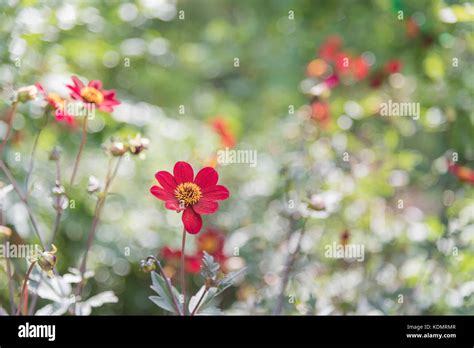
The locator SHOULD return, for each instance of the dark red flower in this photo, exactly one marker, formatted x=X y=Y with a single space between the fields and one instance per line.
x=58 y=104
x=192 y=264
x=463 y=173
x=212 y=242
x=194 y=196
x=93 y=93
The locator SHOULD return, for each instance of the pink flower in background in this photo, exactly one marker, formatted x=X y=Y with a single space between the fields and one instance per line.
x=59 y=105
x=93 y=93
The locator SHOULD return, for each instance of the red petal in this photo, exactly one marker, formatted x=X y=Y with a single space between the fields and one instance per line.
x=162 y=194
x=206 y=177
x=166 y=181
x=173 y=205
x=105 y=108
x=183 y=172
x=78 y=83
x=216 y=193
x=192 y=221
x=96 y=84
x=206 y=206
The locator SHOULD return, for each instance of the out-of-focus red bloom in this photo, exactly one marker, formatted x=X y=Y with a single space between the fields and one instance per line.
x=194 y=196
x=93 y=93
x=412 y=28
x=222 y=128
x=342 y=63
x=58 y=104
x=463 y=173
x=192 y=264
x=330 y=48
x=360 y=68
x=320 y=112
x=212 y=242
x=393 y=66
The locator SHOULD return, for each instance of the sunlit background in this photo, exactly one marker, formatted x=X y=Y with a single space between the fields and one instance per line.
x=196 y=77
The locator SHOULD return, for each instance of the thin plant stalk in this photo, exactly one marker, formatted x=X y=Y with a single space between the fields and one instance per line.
x=183 y=273
x=95 y=222
x=200 y=300
x=33 y=151
x=288 y=269
x=81 y=148
x=24 y=291
x=23 y=198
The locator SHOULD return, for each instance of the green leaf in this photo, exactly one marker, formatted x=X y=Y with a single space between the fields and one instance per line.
x=164 y=299
x=229 y=279
x=210 y=268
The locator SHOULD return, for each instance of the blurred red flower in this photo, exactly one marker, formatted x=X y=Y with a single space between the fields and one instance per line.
x=192 y=264
x=194 y=196
x=320 y=112
x=93 y=93
x=463 y=173
x=212 y=242
x=222 y=128
x=393 y=66
x=330 y=48
x=58 y=104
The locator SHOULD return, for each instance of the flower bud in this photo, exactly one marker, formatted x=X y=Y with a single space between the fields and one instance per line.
x=5 y=232
x=148 y=265
x=55 y=154
x=138 y=144
x=26 y=93
x=93 y=185
x=47 y=260
x=117 y=148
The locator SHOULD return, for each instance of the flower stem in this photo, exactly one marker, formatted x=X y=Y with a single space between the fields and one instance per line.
x=183 y=272
x=59 y=210
x=288 y=268
x=200 y=300
x=33 y=151
x=95 y=222
x=81 y=148
x=24 y=292
x=23 y=198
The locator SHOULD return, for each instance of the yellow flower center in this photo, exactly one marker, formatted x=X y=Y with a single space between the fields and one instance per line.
x=92 y=95
x=188 y=193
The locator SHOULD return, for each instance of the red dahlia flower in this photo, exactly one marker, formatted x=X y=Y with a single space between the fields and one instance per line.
x=93 y=93
x=58 y=104
x=194 y=196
